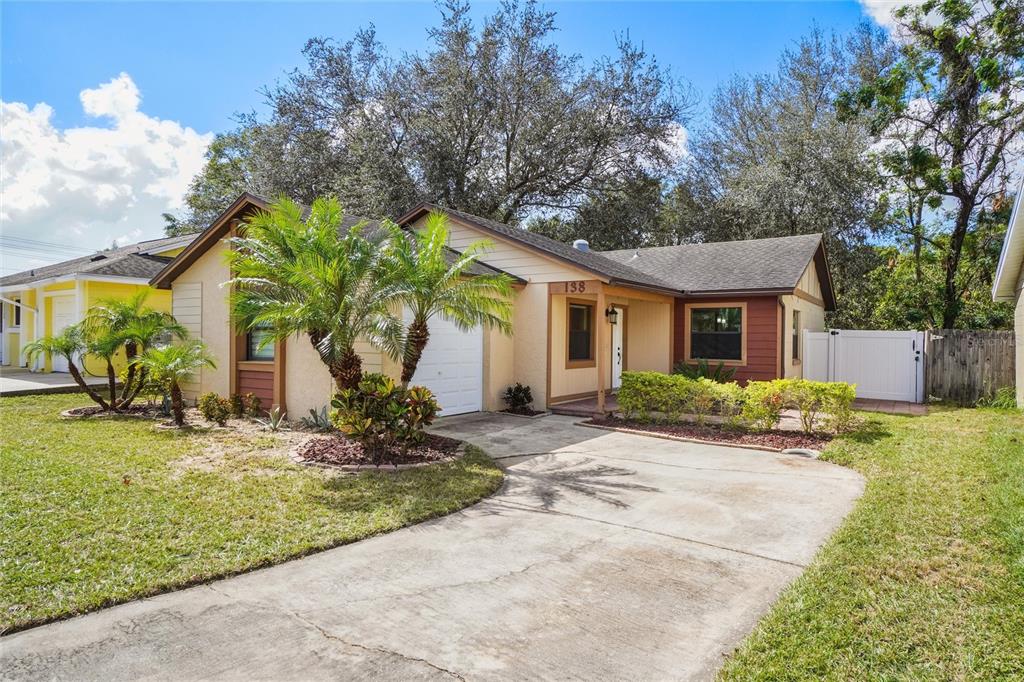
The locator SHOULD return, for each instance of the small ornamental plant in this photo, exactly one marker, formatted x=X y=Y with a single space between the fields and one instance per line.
x=253 y=405
x=214 y=408
x=518 y=398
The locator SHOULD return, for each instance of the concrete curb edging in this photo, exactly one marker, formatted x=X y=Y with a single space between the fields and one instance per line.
x=682 y=439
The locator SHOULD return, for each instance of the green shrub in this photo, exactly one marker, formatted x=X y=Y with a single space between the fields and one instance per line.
x=763 y=404
x=237 y=406
x=518 y=398
x=839 y=406
x=381 y=415
x=253 y=405
x=731 y=398
x=214 y=408
x=701 y=398
x=809 y=397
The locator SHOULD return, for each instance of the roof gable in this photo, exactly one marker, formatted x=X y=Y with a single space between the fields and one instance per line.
x=588 y=261
x=245 y=205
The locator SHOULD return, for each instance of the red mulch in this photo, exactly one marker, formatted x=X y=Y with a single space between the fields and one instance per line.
x=781 y=440
x=525 y=412
x=133 y=411
x=338 y=449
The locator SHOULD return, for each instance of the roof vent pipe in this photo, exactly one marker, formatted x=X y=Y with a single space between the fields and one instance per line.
x=581 y=245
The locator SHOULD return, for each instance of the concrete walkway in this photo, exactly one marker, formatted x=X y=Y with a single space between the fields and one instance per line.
x=20 y=381
x=605 y=556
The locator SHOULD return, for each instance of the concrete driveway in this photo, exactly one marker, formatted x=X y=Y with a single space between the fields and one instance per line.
x=605 y=556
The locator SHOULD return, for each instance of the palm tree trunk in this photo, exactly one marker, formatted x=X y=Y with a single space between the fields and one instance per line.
x=414 y=345
x=77 y=376
x=141 y=380
x=129 y=353
x=177 y=404
x=349 y=371
x=112 y=383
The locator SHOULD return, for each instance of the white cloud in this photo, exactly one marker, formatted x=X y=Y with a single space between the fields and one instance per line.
x=89 y=186
x=881 y=10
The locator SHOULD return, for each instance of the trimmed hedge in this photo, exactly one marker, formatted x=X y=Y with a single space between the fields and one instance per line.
x=758 y=405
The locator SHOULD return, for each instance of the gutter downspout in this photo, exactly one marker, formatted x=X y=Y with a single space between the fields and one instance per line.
x=782 y=338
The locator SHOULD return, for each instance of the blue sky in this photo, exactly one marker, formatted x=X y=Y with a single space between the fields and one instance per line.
x=199 y=63
x=108 y=107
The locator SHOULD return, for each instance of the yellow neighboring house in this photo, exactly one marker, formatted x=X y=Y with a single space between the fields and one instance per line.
x=42 y=301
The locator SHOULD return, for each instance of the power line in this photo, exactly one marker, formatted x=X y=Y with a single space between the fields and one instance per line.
x=39 y=242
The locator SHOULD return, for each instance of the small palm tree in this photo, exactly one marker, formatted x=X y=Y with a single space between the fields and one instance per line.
x=128 y=323
x=433 y=280
x=310 y=276
x=70 y=344
x=173 y=365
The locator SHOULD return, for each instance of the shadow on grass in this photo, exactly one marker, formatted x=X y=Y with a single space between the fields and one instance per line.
x=870 y=431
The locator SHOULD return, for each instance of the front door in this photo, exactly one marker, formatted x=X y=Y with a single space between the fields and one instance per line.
x=63 y=316
x=618 y=352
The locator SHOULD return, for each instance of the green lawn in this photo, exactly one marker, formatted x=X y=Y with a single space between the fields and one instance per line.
x=99 y=512
x=925 y=579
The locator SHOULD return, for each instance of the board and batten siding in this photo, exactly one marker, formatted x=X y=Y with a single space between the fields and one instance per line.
x=187 y=309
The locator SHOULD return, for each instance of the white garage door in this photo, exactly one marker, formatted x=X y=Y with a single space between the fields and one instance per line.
x=63 y=316
x=452 y=367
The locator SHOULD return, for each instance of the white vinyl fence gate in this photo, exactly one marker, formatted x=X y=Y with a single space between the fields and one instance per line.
x=885 y=365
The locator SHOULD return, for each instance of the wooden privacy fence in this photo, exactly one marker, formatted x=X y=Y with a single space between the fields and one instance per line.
x=965 y=365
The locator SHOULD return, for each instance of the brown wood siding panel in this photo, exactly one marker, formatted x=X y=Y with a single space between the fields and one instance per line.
x=260 y=383
x=762 y=335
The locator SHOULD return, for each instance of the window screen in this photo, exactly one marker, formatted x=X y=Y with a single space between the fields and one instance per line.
x=716 y=333
x=253 y=339
x=581 y=330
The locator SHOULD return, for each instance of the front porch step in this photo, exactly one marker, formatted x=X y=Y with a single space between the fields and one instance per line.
x=574 y=411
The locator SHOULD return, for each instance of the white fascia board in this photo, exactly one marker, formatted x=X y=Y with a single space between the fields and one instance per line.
x=1008 y=272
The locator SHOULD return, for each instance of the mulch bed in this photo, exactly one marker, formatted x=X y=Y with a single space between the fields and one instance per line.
x=779 y=440
x=96 y=411
x=339 y=450
x=524 y=412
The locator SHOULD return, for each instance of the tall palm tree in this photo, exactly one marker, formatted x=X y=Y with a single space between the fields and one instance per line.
x=310 y=276
x=173 y=365
x=434 y=281
x=131 y=324
x=70 y=344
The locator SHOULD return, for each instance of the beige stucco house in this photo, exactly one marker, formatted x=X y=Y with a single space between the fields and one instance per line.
x=1009 y=284
x=580 y=317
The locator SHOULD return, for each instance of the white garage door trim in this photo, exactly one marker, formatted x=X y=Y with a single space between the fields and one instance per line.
x=452 y=367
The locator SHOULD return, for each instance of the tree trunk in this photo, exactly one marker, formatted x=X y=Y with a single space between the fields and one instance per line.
x=349 y=371
x=130 y=351
x=177 y=404
x=112 y=383
x=950 y=295
x=126 y=402
x=77 y=376
x=414 y=345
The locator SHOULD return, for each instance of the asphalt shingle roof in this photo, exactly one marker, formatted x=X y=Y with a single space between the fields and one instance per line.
x=754 y=264
x=124 y=261
x=588 y=260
